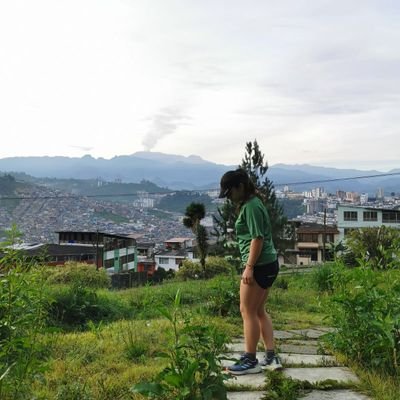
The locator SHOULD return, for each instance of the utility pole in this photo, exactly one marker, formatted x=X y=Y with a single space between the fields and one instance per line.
x=324 y=238
x=97 y=249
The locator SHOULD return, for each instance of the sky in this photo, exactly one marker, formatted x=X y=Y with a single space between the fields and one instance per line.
x=314 y=81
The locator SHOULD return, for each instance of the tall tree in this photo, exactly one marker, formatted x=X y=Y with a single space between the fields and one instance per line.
x=195 y=212
x=253 y=163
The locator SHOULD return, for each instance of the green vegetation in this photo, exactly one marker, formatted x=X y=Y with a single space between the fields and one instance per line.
x=376 y=248
x=194 y=368
x=160 y=214
x=178 y=201
x=255 y=166
x=194 y=270
x=9 y=188
x=91 y=187
x=292 y=207
x=109 y=216
x=65 y=335
x=194 y=213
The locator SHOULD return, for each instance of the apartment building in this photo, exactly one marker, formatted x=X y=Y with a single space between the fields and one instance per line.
x=356 y=217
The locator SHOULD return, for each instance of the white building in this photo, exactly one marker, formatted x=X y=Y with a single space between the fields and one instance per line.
x=355 y=217
x=363 y=198
x=176 y=250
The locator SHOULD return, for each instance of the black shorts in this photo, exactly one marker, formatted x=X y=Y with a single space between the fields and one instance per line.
x=265 y=274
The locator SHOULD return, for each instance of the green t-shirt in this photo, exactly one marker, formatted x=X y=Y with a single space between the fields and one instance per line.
x=253 y=222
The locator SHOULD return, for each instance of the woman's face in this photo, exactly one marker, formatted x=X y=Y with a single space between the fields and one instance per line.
x=236 y=194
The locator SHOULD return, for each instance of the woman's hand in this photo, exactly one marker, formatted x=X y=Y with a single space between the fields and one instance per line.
x=247 y=276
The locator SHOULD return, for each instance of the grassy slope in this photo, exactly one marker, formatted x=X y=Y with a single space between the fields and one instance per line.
x=107 y=359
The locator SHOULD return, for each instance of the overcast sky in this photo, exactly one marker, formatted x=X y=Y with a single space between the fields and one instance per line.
x=314 y=81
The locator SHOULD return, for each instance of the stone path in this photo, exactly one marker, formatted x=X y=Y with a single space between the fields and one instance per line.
x=302 y=359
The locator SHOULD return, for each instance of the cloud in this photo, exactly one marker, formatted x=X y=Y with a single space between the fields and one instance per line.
x=82 y=148
x=164 y=123
x=296 y=74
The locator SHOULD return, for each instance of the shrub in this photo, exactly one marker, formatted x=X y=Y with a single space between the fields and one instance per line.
x=23 y=304
x=379 y=247
x=281 y=283
x=322 y=277
x=365 y=310
x=84 y=275
x=193 y=270
x=217 y=266
x=225 y=299
x=75 y=306
x=194 y=371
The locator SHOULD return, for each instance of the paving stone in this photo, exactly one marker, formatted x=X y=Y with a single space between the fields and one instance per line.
x=308 y=359
x=309 y=333
x=324 y=329
x=284 y=335
x=236 y=347
x=295 y=347
x=298 y=342
x=298 y=349
x=255 y=381
x=305 y=359
x=313 y=375
x=334 y=395
x=245 y=395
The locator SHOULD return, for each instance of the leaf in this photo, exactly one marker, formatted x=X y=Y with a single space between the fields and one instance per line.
x=190 y=371
x=165 y=313
x=178 y=298
x=6 y=372
x=147 y=388
x=174 y=380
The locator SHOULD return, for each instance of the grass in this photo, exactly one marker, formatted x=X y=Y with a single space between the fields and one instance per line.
x=103 y=359
x=109 y=361
x=107 y=357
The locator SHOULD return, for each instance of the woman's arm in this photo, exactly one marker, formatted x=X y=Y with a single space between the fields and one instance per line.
x=256 y=246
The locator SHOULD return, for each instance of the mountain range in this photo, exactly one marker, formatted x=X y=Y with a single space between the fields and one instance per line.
x=180 y=172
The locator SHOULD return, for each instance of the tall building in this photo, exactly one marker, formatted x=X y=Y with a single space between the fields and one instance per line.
x=363 y=198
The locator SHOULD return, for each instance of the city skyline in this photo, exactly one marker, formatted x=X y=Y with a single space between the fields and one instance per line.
x=315 y=82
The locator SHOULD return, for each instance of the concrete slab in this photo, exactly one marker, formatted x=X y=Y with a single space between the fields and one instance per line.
x=255 y=381
x=308 y=359
x=335 y=395
x=313 y=375
x=308 y=333
x=324 y=329
x=285 y=334
x=290 y=359
x=236 y=347
x=310 y=342
x=295 y=349
x=245 y=395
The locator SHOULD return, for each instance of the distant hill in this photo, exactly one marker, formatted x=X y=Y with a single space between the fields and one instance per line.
x=91 y=187
x=179 y=172
x=176 y=172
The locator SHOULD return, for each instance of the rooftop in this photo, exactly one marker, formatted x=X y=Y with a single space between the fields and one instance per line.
x=178 y=240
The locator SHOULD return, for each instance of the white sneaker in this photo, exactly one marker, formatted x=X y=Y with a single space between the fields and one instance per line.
x=271 y=364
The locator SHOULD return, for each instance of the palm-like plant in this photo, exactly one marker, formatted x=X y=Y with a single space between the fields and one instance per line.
x=195 y=212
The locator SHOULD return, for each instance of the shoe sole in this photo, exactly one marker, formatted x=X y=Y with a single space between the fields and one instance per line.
x=247 y=371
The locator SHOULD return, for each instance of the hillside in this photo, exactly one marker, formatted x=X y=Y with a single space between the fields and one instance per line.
x=186 y=173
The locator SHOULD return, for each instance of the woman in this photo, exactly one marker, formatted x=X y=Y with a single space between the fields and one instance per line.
x=259 y=259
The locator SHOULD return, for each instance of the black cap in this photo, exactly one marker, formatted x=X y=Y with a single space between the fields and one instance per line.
x=231 y=179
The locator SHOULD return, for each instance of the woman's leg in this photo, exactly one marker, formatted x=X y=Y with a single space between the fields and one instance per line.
x=250 y=298
x=265 y=323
